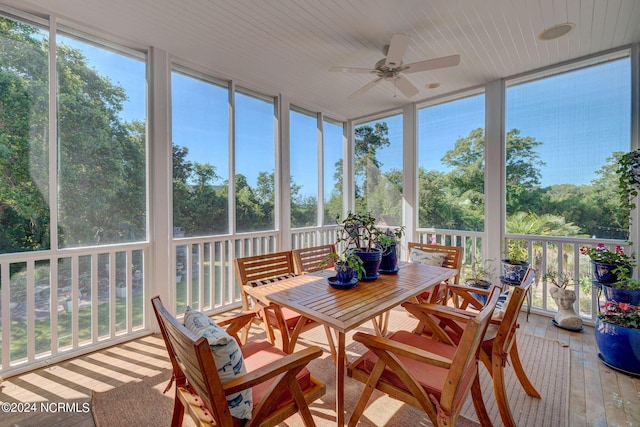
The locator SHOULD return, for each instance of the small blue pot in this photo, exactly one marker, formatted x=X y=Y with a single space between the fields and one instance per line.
x=344 y=275
x=619 y=347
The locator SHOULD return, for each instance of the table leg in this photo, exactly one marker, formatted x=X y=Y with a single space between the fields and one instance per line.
x=341 y=359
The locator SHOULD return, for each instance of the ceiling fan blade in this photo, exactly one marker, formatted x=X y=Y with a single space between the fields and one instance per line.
x=351 y=70
x=432 y=64
x=406 y=87
x=399 y=43
x=365 y=88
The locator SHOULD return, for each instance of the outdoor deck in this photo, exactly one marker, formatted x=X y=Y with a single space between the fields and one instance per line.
x=592 y=397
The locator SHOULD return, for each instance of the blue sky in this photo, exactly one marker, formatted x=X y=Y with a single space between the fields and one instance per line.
x=579 y=117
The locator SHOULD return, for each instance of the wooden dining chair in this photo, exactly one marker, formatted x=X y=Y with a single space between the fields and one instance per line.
x=444 y=256
x=499 y=346
x=428 y=374
x=261 y=270
x=312 y=259
x=280 y=383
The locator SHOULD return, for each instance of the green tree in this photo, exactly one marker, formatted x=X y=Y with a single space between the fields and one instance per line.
x=367 y=141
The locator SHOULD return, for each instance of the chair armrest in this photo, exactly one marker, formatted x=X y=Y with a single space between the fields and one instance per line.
x=235 y=323
x=401 y=349
x=298 y=359
x=465 y=293
x=441 y=311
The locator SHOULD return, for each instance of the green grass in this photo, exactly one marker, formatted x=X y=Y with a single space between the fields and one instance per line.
x=42 y=330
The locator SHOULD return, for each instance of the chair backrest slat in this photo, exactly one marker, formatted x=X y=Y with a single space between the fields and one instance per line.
x=453 y=255
x=192 y=357
x=261 y=267
x=313 y=259
x=467 y=352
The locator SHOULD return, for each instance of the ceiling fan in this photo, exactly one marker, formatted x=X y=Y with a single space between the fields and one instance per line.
x=392 y=69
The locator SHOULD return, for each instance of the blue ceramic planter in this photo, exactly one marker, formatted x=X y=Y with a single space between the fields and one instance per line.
x=621 y=295
x=619 y=347
x=603 y=272
x=344 y=275
x=371 y=261
x=513 y=272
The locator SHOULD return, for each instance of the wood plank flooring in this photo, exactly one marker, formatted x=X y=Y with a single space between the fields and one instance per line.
x=60 y=394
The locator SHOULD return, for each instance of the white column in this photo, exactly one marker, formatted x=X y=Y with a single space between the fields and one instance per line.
x=160 y=178
x=410 y=173
x=494 y=174
x=283 y=175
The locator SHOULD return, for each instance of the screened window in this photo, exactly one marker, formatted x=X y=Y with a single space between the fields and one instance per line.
x=24 y=151
x=378 y=169
x=333 y=137
x=451 y=165
x=102 y=144
x=254 y=162
x=564 y=134
x=304 y=168
x=200 y=136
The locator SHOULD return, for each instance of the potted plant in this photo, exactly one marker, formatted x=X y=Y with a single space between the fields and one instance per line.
x=516 y=261
x=609 y=266
x=618 y=336
x=388 y=242
x=624 y=290
x=359 y=233
x=478 y=277
x=348 y=266
x=566 y=317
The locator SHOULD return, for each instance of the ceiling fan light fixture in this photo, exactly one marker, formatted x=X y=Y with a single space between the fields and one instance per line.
x=556 y=31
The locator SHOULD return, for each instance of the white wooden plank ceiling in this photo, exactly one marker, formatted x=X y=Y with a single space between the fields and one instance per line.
x=287 y=46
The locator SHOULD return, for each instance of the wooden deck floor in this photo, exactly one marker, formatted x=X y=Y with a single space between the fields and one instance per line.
x=592 y=400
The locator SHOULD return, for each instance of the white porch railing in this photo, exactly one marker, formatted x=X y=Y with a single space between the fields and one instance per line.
x=546 y=253
x=54 y=306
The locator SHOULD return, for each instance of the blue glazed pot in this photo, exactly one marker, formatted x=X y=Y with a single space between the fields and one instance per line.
x=631 y=296
x=513 y=272
x=619 y=347
x=603 y=271
x=389 y=260
x=371 y=261
x=344 y=275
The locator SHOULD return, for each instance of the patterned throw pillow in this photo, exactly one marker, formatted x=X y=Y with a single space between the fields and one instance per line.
x=501 y=305
x=271 y=280
x=427 y=258
x=226 y=355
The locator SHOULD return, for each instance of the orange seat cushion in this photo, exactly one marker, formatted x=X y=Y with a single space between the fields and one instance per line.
x=258 y=354
x=290 y=318
x=432 y=378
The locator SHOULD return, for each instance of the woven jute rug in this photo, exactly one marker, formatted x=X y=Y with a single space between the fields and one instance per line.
x=141 y=403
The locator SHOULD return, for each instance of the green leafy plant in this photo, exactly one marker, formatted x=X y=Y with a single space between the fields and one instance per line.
x=628 y=183
x=478 y=272
x=621 y=314
x=560 y=280
x=345 y=260
x=358 y=231
x=515 y=251
x=389 y=237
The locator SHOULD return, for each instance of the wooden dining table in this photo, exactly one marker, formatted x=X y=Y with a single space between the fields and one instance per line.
x=342 y=310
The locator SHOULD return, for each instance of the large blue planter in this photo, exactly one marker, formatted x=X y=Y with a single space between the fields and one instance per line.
x=603 y=271
x=619 y=347
x=513 y=271
x=371 y=261
x=631 y=296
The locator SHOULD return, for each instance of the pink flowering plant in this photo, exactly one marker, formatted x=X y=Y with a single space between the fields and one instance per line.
x=621 y=314
x=600 y=253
